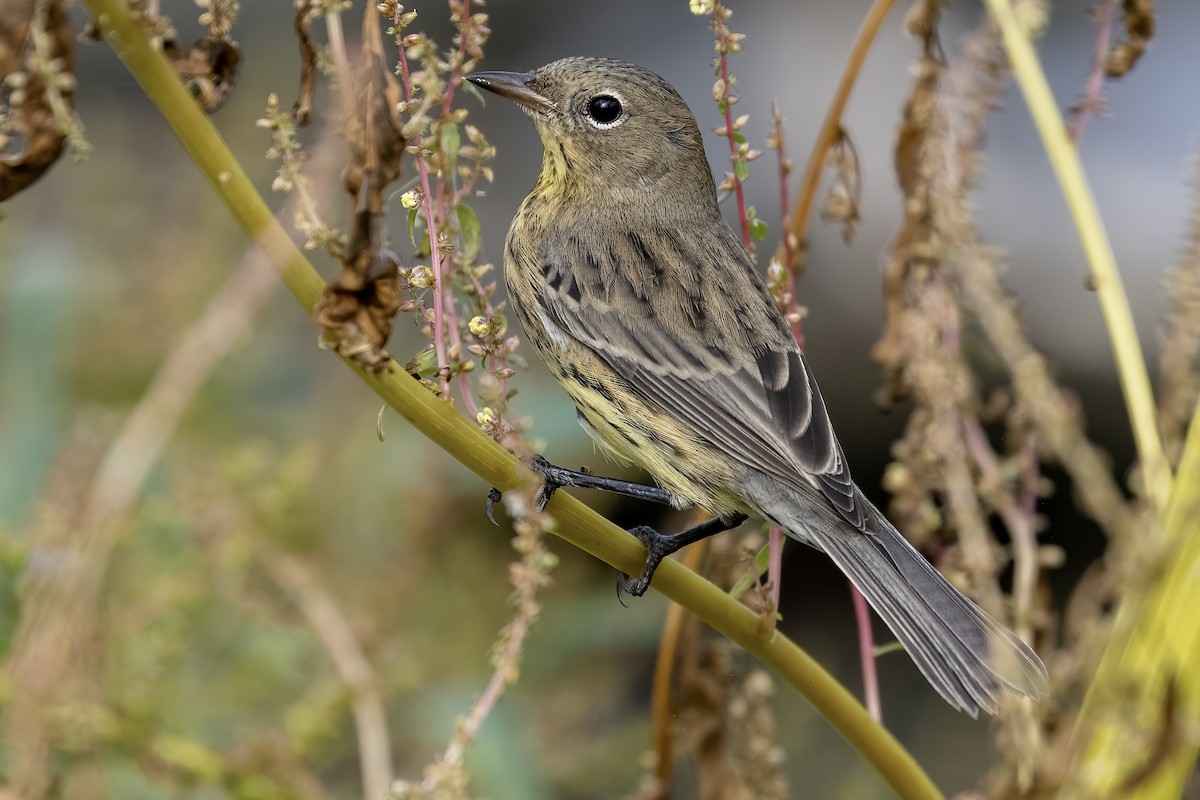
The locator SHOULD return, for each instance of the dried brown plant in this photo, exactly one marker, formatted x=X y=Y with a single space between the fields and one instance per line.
x=37 y=91
x=966 y=478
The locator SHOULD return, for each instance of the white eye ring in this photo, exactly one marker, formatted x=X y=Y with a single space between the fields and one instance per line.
x=602 y=103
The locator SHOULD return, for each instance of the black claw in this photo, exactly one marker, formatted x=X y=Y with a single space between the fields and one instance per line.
x=631 y=587
x=621 y=578
x=493 y=497
x=544 y=494
x=658 y=547
x=551 y=482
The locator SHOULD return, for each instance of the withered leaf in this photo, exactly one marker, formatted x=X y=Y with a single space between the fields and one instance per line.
x=373 y=127
x=358 y=308
x=302 y=111
x=1139 y=22
x=15 y=17
x=845 y=195
x=31 y=136
x=208 y=69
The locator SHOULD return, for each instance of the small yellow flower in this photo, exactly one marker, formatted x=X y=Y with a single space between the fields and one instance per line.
x=486 y=417
x=479 y=326
x=701 y=8
x=409 y=199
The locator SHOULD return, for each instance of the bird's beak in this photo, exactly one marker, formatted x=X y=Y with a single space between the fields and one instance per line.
x=513 y=85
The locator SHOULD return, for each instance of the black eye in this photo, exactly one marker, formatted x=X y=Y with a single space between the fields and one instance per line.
x=604 y=109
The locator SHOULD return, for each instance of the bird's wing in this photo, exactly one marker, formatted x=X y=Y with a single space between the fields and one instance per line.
x=693 y=330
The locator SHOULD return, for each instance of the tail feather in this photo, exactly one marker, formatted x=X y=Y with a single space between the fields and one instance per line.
x=969 y=658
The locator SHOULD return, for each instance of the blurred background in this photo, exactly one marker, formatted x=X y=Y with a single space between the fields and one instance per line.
x=208 y=666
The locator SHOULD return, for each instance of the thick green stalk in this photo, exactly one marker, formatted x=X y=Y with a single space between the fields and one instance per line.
x=1146 y=693
x=1114 y=304
x=462 y=439
x=1147 y=689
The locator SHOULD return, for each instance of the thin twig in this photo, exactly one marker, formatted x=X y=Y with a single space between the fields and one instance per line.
x=774 y=571
x=333 y=629
x=662 y=716
x=785 y=171
x=795 y=236
x=445 y=201
x=1114 y=303
x=528 y=575
x=1017 y=520
x=730 y=131
x=1092 y=101
x=47 y=662
x=337 y=47
x=435 y=252
x=866 y=654
x=183 y=372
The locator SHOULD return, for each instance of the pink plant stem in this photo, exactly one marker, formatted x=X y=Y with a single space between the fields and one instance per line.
x=447 y=199
x=1018 y=515
x=784 y=199
x=775 y=565
x=1092 y=99
x=866 y=651
x=464 y=381
x=793 y=305
x=862 y=612
x=435 y=253
x=455 y=78
x=719 y=29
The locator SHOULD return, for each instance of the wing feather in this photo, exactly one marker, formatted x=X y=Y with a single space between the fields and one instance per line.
x=696 y=333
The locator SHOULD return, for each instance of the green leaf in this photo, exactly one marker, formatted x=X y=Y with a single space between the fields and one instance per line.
x=741 y=170
x=739 y=138
x=473 y=90
x=890 y=647
x=761 y=561
x=450 y=142
x=412 y=226
x=468 y=228
x=424 y=364
x=758 y=229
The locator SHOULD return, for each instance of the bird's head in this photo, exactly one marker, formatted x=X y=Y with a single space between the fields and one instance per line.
x=609 y=126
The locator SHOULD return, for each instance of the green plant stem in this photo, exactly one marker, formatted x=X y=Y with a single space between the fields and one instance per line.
x=462 y=439
x=1064 y=158
x=1147 y=690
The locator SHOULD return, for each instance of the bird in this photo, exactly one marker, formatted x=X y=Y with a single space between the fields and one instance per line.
x=652 y=315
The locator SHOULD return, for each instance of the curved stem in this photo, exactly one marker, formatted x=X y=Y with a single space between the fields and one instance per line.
x=662 y=716
x=461 y=438
x=1064 y=158
x=435 y=251
x=866 y=654
x=723 y=73
x=797 y=226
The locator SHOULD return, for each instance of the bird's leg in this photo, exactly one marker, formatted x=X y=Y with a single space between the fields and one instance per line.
x=661 y=545
x=555 y=477
x=658 y=545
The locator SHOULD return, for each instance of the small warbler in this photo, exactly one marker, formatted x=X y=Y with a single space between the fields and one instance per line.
x=651 y=314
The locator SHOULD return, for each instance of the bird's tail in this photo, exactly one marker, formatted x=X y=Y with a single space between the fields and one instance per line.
x=969 y=658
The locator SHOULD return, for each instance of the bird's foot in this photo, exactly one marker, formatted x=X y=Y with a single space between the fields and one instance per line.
x=555 y=477
x=658 y=547
x=493 y=497
x=661 y=545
